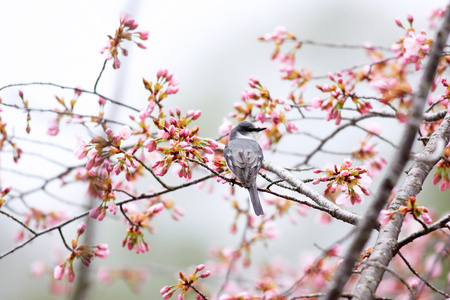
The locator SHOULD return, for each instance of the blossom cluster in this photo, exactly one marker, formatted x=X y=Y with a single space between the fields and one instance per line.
x=99 y=167
x=297 y=76
x=53 y=128
x=185 y=283
x=411 y=207
x=368 y=154
x=177 y=143
x=133 y=277
x=166 y=84
x=126 y=31
x=442 y=173
x=278 y=278
x=259 y=105
x=40 y=220
x=135 y=237
x=352 y=182
x=339 y=92
x=413 y=48
x=82 y=252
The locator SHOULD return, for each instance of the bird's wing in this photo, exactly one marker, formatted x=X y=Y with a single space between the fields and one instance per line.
x=244 y=159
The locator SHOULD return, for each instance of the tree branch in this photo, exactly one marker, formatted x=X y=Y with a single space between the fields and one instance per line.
x=328 y=206
x=435 y=226
x=385 y=246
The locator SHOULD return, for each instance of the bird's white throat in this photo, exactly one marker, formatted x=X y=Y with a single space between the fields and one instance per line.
x=249 y=136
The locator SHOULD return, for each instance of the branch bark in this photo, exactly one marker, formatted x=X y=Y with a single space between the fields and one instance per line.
x=387 y=238
x=326 y=205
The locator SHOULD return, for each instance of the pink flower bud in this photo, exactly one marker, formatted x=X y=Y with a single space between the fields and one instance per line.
x=347 y=163
x=426 y=217
x=71 y=277
x=200 y=267
x=172 y=121
x=6 y=190
x=331 y=77
x=94 y=213
x=399 y=23
x=171 y=90
x=205 y=274
x=58 y=272
x=253 y=81
x=102 y=251
x=171 y=129
x=410 y=18
x=143 y=35
x=165 y=289
x=108 y=131
x=78 y=91
x=196 y=114
x=81 y=228
x=162 y=73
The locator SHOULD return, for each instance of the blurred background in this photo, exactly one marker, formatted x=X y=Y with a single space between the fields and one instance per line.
x=212 y=47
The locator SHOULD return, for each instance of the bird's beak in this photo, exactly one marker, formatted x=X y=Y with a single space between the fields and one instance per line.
x=260 y=129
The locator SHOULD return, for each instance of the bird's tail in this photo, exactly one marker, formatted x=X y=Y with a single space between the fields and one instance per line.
x=255 y=200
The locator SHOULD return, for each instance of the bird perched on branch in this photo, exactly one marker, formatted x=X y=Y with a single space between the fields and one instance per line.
x=244 y=158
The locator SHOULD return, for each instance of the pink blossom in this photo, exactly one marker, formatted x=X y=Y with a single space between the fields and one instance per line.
x=174 y=81
x=347 y=163
x=194 y=114
x=103 y=275
x=324 y=218
x=445 y=184
x=253 y=81
x=291 y=127
x=165 y=289
x=155 y=209
x=37 y=268
x=124 y=132
x=58 y=272
x=200 y=267
x=80 y=149
x=384 y=217
x=399 y=23
x=102 y=251
x=71 y=274
x=162 y=73
x=426 y=217
x=167 y=295
x=81 y=228
x=19 y=236
x=373 y=127
x=6 y=190
x=150 y=145
x=53 y=128
x=171 y=90
x=205 y=274
x=316 y=102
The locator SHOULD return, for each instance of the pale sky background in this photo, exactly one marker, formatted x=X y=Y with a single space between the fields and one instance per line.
x=212 y=47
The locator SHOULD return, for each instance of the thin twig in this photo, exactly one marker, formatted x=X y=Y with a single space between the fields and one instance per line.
x=100 y=75
x=69 y=88
x=420 y=277
x=18 y=221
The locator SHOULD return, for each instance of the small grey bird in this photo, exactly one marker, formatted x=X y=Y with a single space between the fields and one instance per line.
x=244 y=159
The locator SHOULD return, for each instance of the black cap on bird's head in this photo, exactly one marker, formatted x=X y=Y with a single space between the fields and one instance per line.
x=245 y=128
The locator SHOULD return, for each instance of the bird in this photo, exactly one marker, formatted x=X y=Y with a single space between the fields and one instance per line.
x=244 y=158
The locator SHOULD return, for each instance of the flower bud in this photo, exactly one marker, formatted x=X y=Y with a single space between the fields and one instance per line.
x=81 y=228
